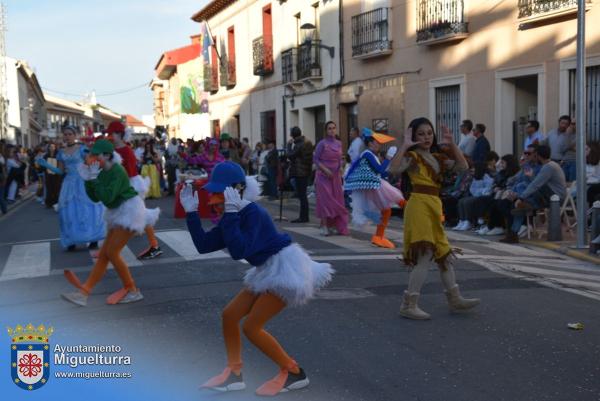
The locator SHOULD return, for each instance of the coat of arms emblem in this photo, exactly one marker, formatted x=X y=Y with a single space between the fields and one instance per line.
x=30 y=355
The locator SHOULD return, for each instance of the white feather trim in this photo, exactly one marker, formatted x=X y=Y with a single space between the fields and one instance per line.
x=117 y=159
x=131 y=215
x=291 y=274
x=140 y=184
x=253 y=189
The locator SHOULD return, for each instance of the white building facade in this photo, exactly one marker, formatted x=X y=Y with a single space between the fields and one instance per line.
x=272 y=67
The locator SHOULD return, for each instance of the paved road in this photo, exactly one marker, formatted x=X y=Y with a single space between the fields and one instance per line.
x=350 y=340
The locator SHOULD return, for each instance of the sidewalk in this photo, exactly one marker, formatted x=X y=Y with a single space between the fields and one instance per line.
x=566 y=247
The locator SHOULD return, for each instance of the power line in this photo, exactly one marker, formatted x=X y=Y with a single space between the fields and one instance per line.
x=112 y=93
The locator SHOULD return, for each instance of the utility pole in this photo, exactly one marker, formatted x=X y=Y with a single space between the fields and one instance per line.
x=3 y=91
x=581 y=129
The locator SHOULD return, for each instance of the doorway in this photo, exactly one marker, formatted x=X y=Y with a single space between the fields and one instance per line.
x=320 y=116
x=519 y=98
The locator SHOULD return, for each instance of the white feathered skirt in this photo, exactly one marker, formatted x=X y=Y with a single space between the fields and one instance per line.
x=131 y=215
x=291 y=274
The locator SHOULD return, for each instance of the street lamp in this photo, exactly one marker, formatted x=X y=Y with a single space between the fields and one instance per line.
x=310 y=27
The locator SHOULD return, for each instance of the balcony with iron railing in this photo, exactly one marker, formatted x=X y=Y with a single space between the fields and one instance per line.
x=227 y=71
x=309 y=60
x=440 y=21
x=262 y=56
x=540 y=10
x=288 y=66
x=211 y=78
x=371 y=34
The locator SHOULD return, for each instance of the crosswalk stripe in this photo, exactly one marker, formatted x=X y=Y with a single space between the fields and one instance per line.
x=555 y=273
x=31 y=260
x=343 y=241
x=181 y=242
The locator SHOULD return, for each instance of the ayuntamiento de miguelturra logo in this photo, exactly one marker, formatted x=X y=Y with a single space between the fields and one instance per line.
x=30 y=355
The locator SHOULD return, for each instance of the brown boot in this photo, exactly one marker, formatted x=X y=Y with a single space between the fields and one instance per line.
x=511 y=238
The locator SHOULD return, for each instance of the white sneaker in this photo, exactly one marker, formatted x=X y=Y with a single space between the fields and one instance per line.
x=480 y=221
x=132 y=296
x=75 y=297
x=522 y=231
x=323 y=231
x=458 y=226
x=495 y=231
x=466 y=226
x=483 y=230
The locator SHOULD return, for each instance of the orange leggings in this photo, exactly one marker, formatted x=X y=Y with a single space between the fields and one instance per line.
x=259 y=309
x=385 y=220
x=115 y=241
x=151 y=237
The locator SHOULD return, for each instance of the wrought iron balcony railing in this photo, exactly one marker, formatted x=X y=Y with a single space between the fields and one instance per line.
x=288 y=65
x=532 y=8
x=440 y=20
x=211 y=79
x=371 y=33
x=227 y=71
x=309 y=59
x=262 y=56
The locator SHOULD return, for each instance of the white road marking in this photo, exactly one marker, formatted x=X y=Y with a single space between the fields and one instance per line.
x=31 y=260
x=181 y=242
x=343 y=241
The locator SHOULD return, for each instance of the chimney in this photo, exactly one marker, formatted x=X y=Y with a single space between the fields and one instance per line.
x=196 y=39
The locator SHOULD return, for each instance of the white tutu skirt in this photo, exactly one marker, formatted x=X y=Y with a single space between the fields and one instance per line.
x=131 y=215
x=367 y=204
x=140 y=184
x=291 y=274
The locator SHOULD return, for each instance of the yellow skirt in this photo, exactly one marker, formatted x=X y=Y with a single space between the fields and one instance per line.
x=423 y=229
x=150 y=171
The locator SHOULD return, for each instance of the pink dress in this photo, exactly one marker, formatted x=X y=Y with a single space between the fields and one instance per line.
x=329 y=191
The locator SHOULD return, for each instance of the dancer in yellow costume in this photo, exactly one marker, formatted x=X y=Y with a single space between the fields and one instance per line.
x=425 y=242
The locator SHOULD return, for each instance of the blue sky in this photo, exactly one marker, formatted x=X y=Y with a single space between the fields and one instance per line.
x=76 y=46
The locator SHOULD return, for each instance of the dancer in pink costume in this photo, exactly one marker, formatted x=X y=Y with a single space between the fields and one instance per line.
x=330 y=206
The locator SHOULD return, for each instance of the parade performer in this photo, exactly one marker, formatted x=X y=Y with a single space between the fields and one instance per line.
x=330 y=206
x=283 y=274
x=425 y=242
x=119 y=137
x=150 y=170
x=106 y=181
x=372 y=196
x=80 y=219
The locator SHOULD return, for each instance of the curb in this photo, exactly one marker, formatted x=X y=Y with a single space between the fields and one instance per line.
x=16 y=206
x=563 y=250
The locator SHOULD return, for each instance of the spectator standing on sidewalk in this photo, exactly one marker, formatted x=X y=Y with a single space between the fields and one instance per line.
x=482 y=145
x=270 y=165
x=52 y=181
x=357 y=145
x=534 y=136
x=300 y=154
x=467 y=139
x=330 y=207
x=561 y=141
x=3 y=208
x=245 y=154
